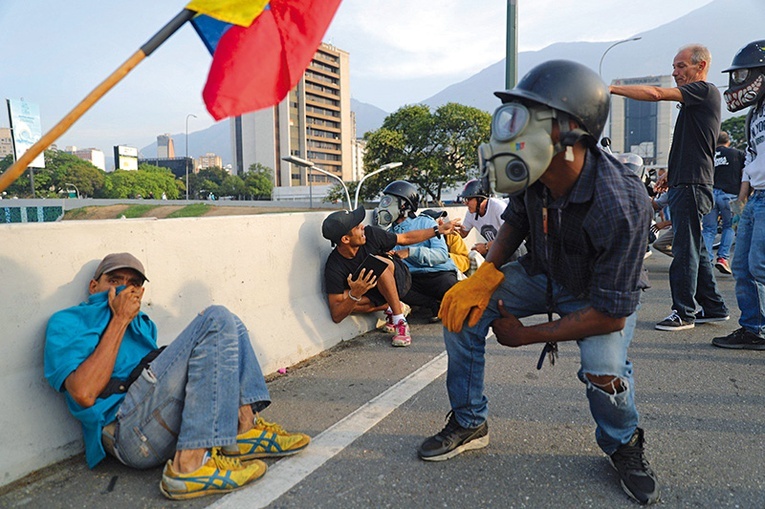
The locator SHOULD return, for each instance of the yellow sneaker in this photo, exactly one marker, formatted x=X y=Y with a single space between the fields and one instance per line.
x=219 y=474
x=268 y=440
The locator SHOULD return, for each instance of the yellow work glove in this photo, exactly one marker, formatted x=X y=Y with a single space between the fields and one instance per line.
x=469 y=297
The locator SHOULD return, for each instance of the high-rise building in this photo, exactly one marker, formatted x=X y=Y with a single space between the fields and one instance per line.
x=93 y=155
x=209 y=160
x=643 y=127
x=6 y=144
x=165 y=147
x=313 y=122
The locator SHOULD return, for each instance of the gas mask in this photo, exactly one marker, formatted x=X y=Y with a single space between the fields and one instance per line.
x=520 y=149
x=388 y=211
x=745 y=88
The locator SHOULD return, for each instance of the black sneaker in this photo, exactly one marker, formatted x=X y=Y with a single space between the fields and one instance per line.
x=674 y=322
x=740 y=339
x=702 y=317
x=453 y=439
x=637 y=478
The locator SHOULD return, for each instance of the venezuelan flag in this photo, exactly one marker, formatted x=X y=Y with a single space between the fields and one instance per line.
x=260 y=49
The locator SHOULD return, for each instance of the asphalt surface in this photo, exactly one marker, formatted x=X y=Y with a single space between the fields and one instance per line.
x=702 y=408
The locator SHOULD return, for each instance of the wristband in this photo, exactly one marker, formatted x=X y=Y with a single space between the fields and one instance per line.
x=354 y=299
x=438 y=233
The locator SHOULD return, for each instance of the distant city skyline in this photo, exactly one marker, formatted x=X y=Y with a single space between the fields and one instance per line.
x=401 y=53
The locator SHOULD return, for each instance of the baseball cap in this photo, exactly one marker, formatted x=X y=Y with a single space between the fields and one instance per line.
x=340 y=223
x=435 y=214
x=114 y=261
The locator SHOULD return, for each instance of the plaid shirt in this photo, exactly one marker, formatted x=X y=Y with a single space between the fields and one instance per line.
x=597 y=234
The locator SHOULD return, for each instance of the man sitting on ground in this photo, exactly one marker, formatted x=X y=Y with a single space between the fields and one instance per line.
x=192 y=405
x=368 y=293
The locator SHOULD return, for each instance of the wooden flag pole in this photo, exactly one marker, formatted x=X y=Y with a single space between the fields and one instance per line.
x=17 y=168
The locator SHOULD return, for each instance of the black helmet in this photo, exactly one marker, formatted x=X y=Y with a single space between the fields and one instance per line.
x=750 y=56
x=407 y=192
x=566 y=86
x=474 y=189
x=747 y=77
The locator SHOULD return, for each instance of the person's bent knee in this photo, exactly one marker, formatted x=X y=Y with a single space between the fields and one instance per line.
x=610 y=384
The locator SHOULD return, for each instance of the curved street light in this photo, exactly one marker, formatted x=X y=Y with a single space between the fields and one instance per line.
x=186 y=160
x=75 y=188
x=600 y=65
x=386 y=166
x=305 y=163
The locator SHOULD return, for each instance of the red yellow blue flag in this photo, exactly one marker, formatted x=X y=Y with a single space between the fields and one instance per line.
x=255 y=66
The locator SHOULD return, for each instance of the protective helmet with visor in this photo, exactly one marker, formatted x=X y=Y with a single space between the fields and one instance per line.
x=521 y=146
x=399 y=198
x=746 y=82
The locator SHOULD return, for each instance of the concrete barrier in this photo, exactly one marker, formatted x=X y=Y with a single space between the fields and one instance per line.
x=265 y=268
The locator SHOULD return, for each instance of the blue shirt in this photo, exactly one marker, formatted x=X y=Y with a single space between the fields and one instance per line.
x=431 y=255
x=597 y=234
x=71 y=337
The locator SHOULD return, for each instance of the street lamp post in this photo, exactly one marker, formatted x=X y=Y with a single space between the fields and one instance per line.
x=305 y=163
x=186 y=159
x=386 y=166
x=600 y=72
x=75 y=188
x=600 y=65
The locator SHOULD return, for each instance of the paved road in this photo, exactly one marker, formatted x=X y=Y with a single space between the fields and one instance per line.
x=369 y=406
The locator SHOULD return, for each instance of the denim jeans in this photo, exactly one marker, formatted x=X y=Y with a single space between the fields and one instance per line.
x=615 y=415
x=721 y=209
x=749 y=265
x=189 y=396
x=691 y=277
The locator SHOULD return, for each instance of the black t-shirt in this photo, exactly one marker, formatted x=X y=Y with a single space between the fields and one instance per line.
x=338 y=267
x=691 y=158
x=729 y=164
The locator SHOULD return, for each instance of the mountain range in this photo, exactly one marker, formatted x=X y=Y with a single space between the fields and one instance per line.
x=723 y=26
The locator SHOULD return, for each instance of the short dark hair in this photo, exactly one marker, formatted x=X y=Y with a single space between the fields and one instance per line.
x=723 y=138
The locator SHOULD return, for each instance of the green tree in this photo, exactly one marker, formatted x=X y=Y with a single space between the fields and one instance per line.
x=438 y=149
x=259 y=182
x=737 y=130
x=62 y=171
x=148 y=181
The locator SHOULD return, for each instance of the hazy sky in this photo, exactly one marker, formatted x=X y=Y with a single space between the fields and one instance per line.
x=55 y=52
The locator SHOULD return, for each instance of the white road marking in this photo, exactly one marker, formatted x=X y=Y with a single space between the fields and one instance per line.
x=290 y=471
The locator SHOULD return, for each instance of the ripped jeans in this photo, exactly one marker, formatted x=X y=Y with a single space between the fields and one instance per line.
x=616 y=416
x=190 y=395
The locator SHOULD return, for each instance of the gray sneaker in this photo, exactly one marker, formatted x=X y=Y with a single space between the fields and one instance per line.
x=637 y=479
x=453 y=439
x=740 y=339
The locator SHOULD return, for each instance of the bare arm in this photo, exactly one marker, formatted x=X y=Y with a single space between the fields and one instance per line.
x=647 y=93
x=86 y=382
x=577 y=325
x=343 y=304
x=416 y=236
x=507 y=242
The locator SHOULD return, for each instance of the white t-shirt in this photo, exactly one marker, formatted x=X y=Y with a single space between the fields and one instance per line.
x=754 y=168
x=488 y=224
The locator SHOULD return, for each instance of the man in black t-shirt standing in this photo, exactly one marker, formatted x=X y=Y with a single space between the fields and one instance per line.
x=689 y=185
x=368 y=293
x=729 y=166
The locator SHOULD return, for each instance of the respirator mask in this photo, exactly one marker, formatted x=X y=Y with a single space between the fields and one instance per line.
x=745 y=88
x=520 y=149
x=387 y=211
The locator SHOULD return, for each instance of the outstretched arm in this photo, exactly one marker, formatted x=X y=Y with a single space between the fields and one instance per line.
x=647 y=93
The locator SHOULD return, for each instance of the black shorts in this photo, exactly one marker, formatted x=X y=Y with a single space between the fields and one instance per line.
x=403 y=283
